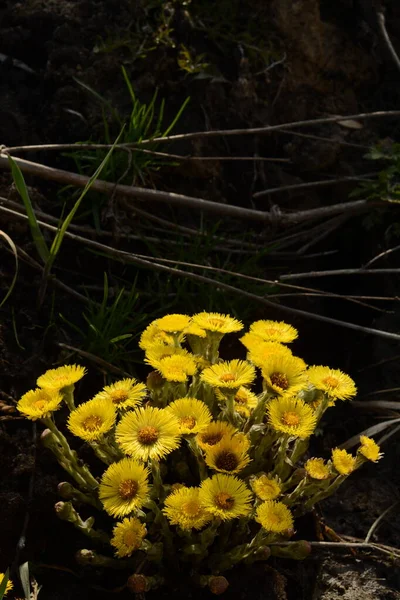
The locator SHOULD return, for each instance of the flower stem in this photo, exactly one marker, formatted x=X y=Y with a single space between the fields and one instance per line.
x=71 y=458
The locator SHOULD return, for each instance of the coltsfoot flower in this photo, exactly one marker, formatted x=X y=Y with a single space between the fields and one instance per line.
x=292 y=416
x=192 y=414
x=57 y=379
x=369 y=448
x=274 y=517
x=39 y=403
x=274 y=331
x=230 y=455
x=217 y=322
x=148 y=433
x=261 y=354
x=284 y=374
x=336 y=384
x=265 y=488
x=173 y=323
x=91 y=420
x=229 y=375
x=225 y=497
x=214 y=433
x=126 y=393
x=343 y=462
x=9 y=584
x=316 y=468
x=124 y=487
x=128 y=536
x=176 y=366
x=153 y=335
x=245 y=401
x=184 y=508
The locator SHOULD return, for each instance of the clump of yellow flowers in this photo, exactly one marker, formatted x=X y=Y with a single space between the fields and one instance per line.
x=201 y=472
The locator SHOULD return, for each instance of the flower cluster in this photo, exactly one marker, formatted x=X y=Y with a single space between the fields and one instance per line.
x=197 y=448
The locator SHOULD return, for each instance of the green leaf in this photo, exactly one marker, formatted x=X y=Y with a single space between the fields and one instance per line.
x=37 y=235
x=14 y=250
x=3 y=584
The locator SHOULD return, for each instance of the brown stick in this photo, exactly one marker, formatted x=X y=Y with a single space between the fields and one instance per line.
x=273 y=217
x=132 y=258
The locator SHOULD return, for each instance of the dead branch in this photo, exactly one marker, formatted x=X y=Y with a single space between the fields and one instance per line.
x=386 y=38
x=137 y=193
x=149 y=263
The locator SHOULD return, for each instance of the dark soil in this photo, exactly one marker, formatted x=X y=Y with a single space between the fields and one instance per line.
x=334 y=62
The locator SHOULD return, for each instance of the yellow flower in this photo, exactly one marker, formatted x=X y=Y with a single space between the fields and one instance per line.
x=216 y=322
x=153 y=335
x=91 y=420
x=265 y=487
x=284 y=374
x=343 y=462
x=126 y=393
x=124 y=487
x=56 y=379
x=333 y=382
x=173 y=323
x=193 y=329
x=274 y=516
x=174 y=364
x=225 y=496
x=39 y=403
x=148 y=433
x=262 y=354
x=292 y=416
x=184 y=508
x=369 y=448
x=230 y=455
x=128 y=536
x=157 y=352
x=317 y=469
x=244 y=398
x=9 y=584
x=229 y=375
x=214 y=433
x=192 y=414
x=274 y=331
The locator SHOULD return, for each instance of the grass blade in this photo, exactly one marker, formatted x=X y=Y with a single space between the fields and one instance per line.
x=37 y=235
x=3 y=584
x=56 y=245
x=14 y=251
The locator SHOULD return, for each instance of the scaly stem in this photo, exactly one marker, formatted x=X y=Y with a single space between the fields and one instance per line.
x=196 y=451
x=71 y=457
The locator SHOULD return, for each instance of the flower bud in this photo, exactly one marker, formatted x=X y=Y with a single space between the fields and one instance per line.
x=137 y=583
x=218 y=584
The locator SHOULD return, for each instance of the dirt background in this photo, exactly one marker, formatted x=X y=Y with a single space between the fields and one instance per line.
x=331 y=59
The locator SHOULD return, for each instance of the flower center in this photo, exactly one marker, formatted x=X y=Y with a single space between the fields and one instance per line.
x=330 y=381
x=119 y=396
x=191 y=508
x=212 y=438
x=40 y=404
x=227 y=461
x=241 y=398
x=188 y=422
x=130 y=538
x=227 y=377
x=290 y=418
x=148 y=435
x=216 y=322
x=224 y=501
x=92 y=422
x=280 y=380
x=271 y=331
x=128 y=489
